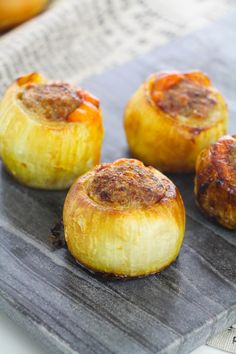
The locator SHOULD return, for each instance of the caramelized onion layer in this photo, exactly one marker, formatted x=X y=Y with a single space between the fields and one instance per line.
x=50 y=132
x=172 y=117
x=124 y=219
x=13 y=12
x=215 y=182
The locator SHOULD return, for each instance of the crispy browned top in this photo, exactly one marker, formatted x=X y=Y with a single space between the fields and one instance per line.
x=52 y=100
x=223 y=157
x=126 y=183
x=232 y=157
x=188 y=99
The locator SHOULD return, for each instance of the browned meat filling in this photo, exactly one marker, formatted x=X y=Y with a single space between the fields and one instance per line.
x=53 y=100
x=127 y=184
x=187 y=98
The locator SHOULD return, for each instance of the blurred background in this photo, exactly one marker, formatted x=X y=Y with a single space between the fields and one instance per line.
x=75 y=39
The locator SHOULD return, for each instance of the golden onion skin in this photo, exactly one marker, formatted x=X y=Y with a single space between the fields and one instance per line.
x=215 y=181
x=169 y=143
x=44 y=153
x=13 y=12
x=117 y=223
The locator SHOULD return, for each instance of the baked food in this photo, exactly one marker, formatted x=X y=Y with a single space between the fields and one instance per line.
x=172 y=117
x=124 y=219
x=13 y=12
x=50 y=132
x=215 y=181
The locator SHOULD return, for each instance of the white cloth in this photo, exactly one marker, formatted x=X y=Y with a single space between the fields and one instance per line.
x=75 y=39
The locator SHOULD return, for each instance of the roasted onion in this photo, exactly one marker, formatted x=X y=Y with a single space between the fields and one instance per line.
x=13 y=12
x=50 y=132
x=124 y=219
x=215 y=182
x=172 y=117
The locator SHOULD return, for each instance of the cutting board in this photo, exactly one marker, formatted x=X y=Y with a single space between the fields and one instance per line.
x=70 y=310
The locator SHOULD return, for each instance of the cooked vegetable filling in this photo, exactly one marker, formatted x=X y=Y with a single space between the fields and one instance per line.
x=185 y=98
x=127 y=184
x=53 y=100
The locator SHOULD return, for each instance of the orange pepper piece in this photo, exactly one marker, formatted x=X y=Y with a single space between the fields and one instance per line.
x=32 y=77
x=199 y=78
x=86 y=111
x=157 y=95
x=165 y=81
x=88 y=97
x=94 y=100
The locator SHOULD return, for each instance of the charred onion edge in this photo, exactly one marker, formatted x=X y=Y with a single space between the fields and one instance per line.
x=216 y=167
x=216 y=173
